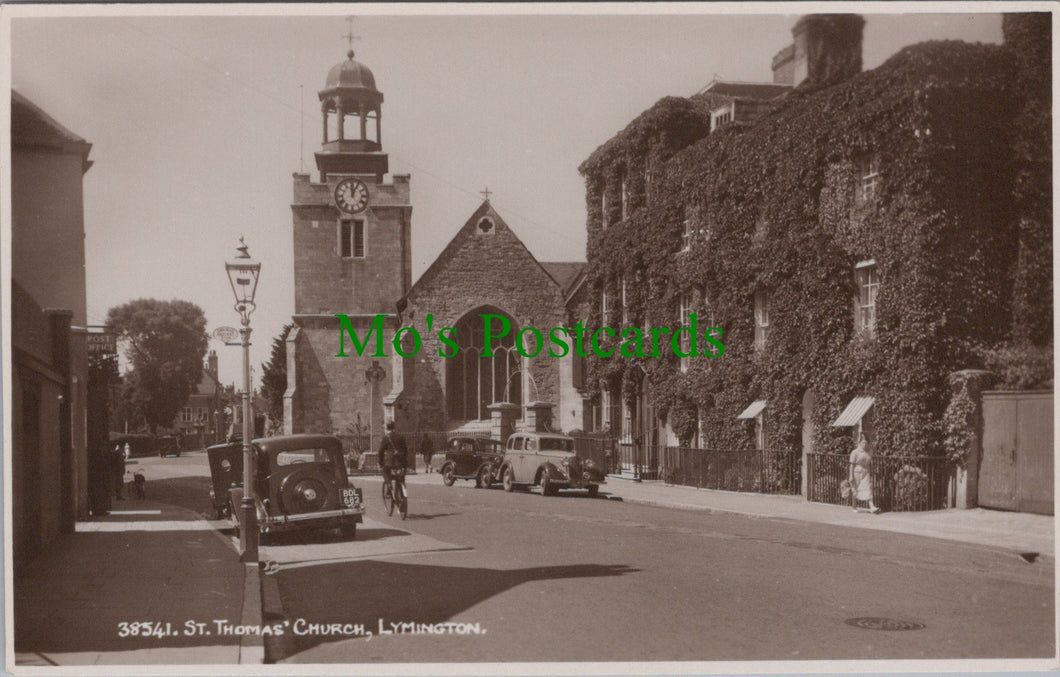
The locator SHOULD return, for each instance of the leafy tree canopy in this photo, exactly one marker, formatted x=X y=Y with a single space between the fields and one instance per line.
x=165 y=342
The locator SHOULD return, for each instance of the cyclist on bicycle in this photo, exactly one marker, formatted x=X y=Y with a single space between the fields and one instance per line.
x=393 y=453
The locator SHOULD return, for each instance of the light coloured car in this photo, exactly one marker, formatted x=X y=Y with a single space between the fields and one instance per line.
x=548 y=460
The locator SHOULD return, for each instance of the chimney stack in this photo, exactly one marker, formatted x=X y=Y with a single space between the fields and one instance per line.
x=826 y=50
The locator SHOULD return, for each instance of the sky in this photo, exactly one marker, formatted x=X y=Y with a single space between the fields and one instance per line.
x=199 y=116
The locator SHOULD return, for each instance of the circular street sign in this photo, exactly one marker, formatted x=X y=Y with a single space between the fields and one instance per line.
x=225 y=334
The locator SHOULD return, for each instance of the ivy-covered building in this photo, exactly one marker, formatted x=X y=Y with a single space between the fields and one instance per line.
x=855 y=238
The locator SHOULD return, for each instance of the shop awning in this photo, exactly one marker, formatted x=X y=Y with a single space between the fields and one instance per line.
x=754 y=409
x=854 y=411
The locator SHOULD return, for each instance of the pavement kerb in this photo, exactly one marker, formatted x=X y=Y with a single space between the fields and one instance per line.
x=272 y=612
x=252 y=645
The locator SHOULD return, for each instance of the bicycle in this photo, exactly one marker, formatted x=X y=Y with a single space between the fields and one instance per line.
x=401 y=501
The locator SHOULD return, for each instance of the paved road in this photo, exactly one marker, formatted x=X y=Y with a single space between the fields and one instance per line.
x=577 y=579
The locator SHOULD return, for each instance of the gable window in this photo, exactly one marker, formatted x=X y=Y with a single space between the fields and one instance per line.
x=868 y=178
x=761 y=320
x=868 y=285
x=485 y=226
x=351 y=239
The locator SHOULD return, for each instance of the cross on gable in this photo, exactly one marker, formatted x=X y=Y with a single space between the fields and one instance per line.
x=486 y=193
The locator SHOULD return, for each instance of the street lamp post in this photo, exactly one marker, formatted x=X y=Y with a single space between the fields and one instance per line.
x=243 y=273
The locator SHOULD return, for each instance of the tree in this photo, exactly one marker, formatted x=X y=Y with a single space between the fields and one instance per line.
x=165 y=343
x=274 y=375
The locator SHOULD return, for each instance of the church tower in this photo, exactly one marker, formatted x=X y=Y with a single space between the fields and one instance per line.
x=352 y=255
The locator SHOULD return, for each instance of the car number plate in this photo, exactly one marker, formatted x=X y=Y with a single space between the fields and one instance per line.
x=350 y=498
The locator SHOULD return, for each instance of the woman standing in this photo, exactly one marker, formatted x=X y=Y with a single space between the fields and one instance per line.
x=861 y=476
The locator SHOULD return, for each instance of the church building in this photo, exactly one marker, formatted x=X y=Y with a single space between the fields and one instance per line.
x=352 y=256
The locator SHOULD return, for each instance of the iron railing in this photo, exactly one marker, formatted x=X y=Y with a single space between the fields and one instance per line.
x=899 y=484
x=768 y=471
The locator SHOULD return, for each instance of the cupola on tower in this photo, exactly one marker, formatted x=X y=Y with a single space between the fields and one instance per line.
x=352 y=256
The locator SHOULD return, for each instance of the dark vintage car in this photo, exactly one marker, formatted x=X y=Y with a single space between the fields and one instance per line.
x=299 y=482
x=167 y=445
x=548 y=460
x=472 y=458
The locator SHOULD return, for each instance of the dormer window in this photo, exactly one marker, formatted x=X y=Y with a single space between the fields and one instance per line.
x=868 y=178
x=721 y=117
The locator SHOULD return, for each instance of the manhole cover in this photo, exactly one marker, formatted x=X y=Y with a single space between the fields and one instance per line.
x=884 y=624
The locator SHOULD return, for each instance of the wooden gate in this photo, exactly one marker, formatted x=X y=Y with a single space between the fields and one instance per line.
x=1017 y=467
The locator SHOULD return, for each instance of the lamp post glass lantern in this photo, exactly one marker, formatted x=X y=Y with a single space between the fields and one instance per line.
x=243 y=273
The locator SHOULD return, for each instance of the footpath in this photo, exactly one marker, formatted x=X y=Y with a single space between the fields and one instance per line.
x=81 y=600
x=1024 y=534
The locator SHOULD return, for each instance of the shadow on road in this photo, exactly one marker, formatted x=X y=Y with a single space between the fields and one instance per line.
x=371 y=591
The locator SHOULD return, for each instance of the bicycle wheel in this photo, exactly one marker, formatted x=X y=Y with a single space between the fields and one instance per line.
x=402 y=500
x=388 y=498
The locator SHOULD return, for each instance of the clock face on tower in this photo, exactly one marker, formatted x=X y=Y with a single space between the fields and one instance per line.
x=351 y=196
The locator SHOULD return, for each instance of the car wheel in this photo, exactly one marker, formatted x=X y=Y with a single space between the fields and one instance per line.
x=594 y=490
x=447 y=475
x=508 y=479
x=485 y=477
x=546 y=485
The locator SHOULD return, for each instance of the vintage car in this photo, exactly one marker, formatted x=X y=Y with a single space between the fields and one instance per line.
x=548 y=460
x=471 y=458
x=167 y=445
x=299 y=482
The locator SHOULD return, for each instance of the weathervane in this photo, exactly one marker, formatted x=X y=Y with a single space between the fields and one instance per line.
x=350 y=37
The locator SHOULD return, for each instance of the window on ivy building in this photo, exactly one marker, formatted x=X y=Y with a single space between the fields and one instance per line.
x=868 y=178
x=603 y=208
x=761 y=319
x=625 y=200
x=868 y=285
x=605 y=306
x=688 y=230
x=684 y=309
x=625 y=303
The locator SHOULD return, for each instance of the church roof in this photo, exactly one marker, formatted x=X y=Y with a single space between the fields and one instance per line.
x=565 y=273
x=350 y=73
x=485 y=210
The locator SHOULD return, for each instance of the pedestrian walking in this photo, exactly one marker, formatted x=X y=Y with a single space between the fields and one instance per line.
x=860 y=476
x=117 y=470
x=427 y=453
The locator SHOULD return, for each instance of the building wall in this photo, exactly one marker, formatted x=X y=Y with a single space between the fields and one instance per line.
x=780 y=201
x=324 y=281
x=48 y=262
x=478 y=270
